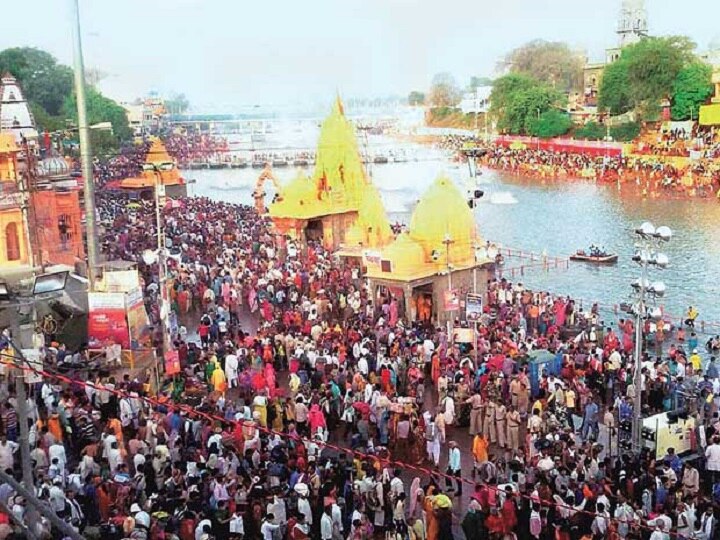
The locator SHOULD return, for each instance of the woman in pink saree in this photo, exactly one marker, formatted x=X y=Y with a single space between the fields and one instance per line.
x=270 y=380
x=559 y=309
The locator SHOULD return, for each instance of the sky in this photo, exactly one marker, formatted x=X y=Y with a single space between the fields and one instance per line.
x=228 y=54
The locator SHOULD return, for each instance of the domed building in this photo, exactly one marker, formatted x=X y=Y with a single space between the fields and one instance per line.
x=338 y=203
x=430 y=269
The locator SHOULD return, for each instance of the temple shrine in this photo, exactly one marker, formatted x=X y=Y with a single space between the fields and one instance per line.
x=338 y=204
x=429 y=270
x=159 y=169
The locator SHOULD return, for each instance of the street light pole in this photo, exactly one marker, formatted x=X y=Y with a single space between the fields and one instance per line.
x=85 y=150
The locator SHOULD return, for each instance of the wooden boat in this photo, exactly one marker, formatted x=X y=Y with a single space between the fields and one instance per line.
x=581 y=256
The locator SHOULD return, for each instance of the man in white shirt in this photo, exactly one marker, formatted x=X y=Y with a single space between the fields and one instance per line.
x=303 y=503
x=326 y=524
x=237 y=526
x=268 y=527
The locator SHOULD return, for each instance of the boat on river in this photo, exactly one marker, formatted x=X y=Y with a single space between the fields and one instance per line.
x=594 y=257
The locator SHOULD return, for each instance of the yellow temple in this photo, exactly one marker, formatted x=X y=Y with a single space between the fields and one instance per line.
x=14 y=241
x=337 y=204
x=434 y=259
x=159 y=166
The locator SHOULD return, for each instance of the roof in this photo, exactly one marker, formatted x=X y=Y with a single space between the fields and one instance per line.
x=710 y=115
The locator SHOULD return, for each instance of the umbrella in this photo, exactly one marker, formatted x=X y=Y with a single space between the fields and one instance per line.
x=442 y=501
x=132 y=205
x=362 y=407
x=541 y=355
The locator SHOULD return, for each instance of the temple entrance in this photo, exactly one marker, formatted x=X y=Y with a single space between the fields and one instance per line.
x=422 y=298
x=314 y=230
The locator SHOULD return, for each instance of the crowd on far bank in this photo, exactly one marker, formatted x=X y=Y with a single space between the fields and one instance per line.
x=186 y=147
x=645 y=172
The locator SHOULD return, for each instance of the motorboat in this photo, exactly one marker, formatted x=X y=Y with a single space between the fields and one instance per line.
x=594 y=256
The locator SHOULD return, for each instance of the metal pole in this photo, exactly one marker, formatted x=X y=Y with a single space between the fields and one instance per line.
x=85 y=150
x=637 y=379
x=44 y=509
x=162 y=275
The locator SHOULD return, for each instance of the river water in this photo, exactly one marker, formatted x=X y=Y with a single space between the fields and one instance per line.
x=552 y=217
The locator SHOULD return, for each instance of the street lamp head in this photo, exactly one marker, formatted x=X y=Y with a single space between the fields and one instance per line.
x=655 y=313
x=664 y=233
x=646 y=229
x=492 y=252
x=149 y=257
x=640 y=283
x=661 y=260
x=658 y=288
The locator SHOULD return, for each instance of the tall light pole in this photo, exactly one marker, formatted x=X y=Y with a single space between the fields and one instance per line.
x=85 y=149
x=647 y=256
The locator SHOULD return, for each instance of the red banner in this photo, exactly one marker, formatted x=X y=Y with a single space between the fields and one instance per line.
x=107 y=322
x=451 y=300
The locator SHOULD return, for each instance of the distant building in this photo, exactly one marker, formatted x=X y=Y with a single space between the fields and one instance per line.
x=632 y=27
x=145 y=116
x=476 y=102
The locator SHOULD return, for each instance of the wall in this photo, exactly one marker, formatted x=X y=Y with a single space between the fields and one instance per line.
x=13 y=215
x=50 y=209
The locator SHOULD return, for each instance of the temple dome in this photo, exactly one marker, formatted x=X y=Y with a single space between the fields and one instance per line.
x=55 y=166
x=443 y=213
x=405 y=254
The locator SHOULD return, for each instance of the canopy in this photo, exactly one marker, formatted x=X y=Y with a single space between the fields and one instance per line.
x=710 y=115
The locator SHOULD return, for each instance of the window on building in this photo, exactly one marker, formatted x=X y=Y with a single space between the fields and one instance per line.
x=65 y=229
x=12 y=242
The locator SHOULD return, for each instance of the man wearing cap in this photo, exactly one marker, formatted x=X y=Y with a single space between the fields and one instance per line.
x=500 y=413
x=512 y=419
x=489 y=422
x=475 y=402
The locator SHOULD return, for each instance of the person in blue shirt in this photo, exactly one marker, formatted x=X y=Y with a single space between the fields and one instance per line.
x=454 y=468
x=590 y=420
x=673 y=461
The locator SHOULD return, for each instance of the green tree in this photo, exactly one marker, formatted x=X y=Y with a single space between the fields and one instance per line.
x=551 y=62
x=518 y=99
x=552 y=123
x=691 y=89
x=42 y=79
x=444 y=91
x=416 y=98
x=45 y=121
x=614 y=93
x=625 y=132
x=102 y=109
x=645 y=75
x=591 y=131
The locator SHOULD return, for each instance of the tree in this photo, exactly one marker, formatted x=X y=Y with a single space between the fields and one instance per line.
x=614 y=93
x=45 y=121
x=645 y=75
x=42 y=79
x=102 y=109
x=552 y=123
x=516 y=100
x=691 y=89
x=551 y=62
x=444 y=91
x=177 y=104
x=416 y=98
x=591 y=131
x=625 y=132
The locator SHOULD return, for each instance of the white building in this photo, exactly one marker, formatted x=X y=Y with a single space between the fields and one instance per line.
x=477 y=102
x=15 y=115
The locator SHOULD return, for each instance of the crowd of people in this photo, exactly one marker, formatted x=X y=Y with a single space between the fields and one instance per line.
x=186 y=147
x=306 y=405
x=641 y=171
x=127 y=163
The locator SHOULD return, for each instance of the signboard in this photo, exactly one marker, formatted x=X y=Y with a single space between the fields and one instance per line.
x=451 y=300
x=473 y=307
x=172 y=363
x=372 y=257
x=137 y=318
x=463 y=335
x=121 y=280
x=107 y=323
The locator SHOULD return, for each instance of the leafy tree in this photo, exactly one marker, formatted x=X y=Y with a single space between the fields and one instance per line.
x=551 y=62
x=645 y=75
x=625 y=132
x=444 y=91
x=101 y=109
x=614 y=93
x=45 y=121
x=177 y=104
x=591 y=131
x=42 y=79
x=416 y=98
x=691 y=89
x=552 y=123
x=516 y=100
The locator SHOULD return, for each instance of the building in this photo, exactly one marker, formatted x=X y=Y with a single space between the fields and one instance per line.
x=430 y=269
x=476 y=102
x=40 y=210
x=159 y=168
x=338 y=204
x=15 y=115
x=632 y=27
